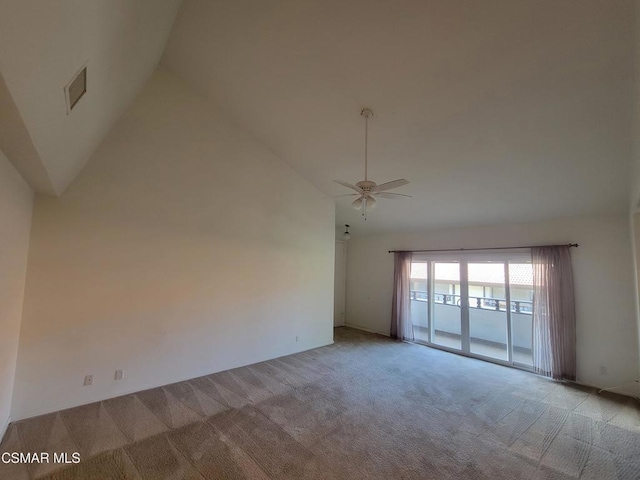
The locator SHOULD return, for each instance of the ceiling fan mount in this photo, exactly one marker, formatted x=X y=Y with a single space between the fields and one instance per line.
x=367 y=190
x=366 y=112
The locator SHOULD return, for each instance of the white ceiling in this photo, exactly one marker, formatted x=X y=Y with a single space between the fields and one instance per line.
x=496 y=111
x=43 y=44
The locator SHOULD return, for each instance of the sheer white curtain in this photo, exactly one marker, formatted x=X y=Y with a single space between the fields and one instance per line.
x=401 y=327
x=554 y=318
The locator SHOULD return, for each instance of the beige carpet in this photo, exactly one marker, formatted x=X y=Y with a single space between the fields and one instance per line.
x=365 y=407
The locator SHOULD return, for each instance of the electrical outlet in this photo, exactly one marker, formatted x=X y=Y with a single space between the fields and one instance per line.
x=88 y=380
x=119 y=374
x=603 y=370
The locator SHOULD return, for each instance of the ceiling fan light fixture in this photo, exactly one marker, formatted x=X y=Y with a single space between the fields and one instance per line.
x=346 y=235
x=371 y=202
x=357 y=203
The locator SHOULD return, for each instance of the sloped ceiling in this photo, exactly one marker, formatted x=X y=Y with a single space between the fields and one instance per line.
x=42 y=45
x=495 y=110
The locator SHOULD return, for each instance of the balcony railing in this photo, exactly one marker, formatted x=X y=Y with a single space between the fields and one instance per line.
x=485 y=303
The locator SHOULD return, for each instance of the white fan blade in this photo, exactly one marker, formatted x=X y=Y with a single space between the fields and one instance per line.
x=347 y=195
x=348 y=185
x=391 y=195
x=389 y=185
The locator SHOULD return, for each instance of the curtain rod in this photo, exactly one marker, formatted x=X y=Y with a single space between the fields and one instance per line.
x=476 y=249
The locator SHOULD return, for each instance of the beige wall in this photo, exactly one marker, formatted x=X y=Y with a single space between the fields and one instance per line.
x=183 y=248
x=16 y=202
x=604 y=284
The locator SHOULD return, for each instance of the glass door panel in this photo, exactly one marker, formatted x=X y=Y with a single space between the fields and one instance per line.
x=446 y=311
x=521 y=290
x=488 y=319
x=420 y=300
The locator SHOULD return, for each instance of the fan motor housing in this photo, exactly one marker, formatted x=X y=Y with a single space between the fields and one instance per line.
x=366 y=185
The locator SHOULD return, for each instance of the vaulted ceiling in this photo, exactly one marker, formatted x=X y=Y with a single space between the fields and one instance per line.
x=496 y=111
x=42 y=46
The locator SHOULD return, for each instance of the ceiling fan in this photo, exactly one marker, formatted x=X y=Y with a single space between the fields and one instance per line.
x=367 y=190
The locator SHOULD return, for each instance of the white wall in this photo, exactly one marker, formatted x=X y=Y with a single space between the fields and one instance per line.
x=340 y=284
x=634 y=203
x=634 y=199
x=604 y=283
x=16 y=202
x=634 y=224
x=183 y=248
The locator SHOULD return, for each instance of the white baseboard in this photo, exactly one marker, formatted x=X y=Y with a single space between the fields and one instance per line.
x=326 y=344
x=365 y=329
x=141 y=388
x=4 y=427
x=629 y=389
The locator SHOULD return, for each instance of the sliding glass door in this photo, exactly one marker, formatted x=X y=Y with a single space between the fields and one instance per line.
x=420 y=300
x=488 y=313
x=521 y=309
x=446 y=311
x=477 y=305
